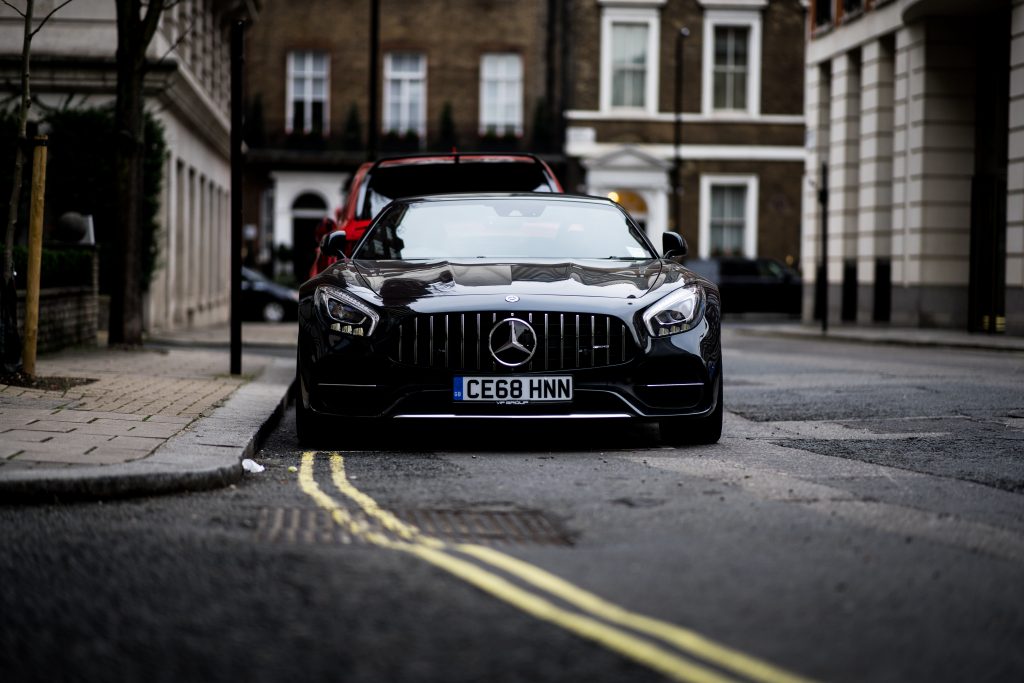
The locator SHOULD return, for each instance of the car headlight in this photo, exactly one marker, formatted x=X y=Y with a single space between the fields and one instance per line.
x=677 y=312
x=345 y=313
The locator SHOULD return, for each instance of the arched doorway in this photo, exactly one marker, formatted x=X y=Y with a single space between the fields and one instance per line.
x=308 y=210
x=639 y=180
x=632 y=202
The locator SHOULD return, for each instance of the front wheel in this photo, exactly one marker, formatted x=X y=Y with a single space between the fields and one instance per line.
x=310 y=428
x=703 y=430
x=273 y=312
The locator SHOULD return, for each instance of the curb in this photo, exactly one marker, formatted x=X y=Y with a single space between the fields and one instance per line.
x=208 y=454
x=889 y=339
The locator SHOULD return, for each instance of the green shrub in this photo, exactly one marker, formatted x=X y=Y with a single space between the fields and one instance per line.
x=62 y=267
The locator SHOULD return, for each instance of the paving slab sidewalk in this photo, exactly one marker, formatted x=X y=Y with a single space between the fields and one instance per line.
x=155 y=420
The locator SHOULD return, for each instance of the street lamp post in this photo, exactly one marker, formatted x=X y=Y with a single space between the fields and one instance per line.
x=678 y=133
x=373 y=115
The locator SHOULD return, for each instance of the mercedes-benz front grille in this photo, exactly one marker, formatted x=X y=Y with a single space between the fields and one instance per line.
x=460 y=341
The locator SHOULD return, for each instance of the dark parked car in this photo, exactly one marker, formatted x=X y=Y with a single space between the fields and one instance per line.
x=263 y=299
x=377 y=183
x=752 y=285
x=509 y=306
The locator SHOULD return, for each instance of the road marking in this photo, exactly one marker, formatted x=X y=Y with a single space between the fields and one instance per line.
x=587 y=625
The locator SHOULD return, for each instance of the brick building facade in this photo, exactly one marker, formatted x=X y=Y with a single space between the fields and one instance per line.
x=740 y=115
x=587 y=84
x=308 y=96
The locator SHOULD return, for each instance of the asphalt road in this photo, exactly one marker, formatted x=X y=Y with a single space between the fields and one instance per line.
x=861 y=520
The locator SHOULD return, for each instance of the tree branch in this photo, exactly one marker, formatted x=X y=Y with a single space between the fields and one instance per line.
x=47 y=17
x=151 y=20
x=181 y=36
x=20 y=13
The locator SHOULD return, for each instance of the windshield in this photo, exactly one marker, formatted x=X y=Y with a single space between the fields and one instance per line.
x=511 y=227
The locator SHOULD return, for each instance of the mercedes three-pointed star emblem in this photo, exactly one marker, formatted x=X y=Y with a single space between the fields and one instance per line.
x=512 y=342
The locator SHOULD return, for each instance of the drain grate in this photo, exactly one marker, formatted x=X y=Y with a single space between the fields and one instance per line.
x=297 y=525
x=485 y=527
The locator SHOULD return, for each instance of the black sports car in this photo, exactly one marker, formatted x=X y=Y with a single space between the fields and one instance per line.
x=508 y=306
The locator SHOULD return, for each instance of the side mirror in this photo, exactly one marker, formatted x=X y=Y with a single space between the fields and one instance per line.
x=333 y=244
x=673 y=245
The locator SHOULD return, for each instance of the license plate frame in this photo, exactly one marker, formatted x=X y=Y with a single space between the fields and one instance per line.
x=513 y=389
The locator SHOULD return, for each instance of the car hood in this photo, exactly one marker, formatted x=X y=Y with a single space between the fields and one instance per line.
x=402 y=281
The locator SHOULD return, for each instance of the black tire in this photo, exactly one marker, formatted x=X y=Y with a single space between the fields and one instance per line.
x=705 y=430
x=309 y=427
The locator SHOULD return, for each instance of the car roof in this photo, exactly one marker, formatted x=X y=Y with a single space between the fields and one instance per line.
x=457 y=158
x=477 y=196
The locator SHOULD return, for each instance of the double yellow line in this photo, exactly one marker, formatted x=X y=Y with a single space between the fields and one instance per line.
x=689 y=656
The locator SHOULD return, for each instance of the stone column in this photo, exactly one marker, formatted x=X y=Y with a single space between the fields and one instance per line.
x=874 y=220
x=1015 y=179
x=819 y=94
x=844 y=178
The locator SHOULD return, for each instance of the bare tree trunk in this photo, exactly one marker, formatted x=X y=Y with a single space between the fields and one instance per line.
x=19 y=155
x=134 y=33
x=125 y=298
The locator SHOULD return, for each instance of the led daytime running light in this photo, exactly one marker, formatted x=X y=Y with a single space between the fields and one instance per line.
x=344 y=313
x=677 y=312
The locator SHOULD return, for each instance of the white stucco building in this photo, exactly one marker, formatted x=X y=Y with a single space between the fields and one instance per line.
x=916 y=109
x=189 y=93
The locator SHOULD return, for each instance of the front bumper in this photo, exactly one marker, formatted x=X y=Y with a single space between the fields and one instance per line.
x=347 y=376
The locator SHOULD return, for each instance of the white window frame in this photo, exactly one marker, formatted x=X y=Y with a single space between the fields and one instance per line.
x=419 y=126
x=750 y=228
x=631 y=15
x=508 y=90
x=307 y=96
x=750 y=19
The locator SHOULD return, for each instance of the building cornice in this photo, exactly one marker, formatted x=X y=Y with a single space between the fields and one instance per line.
x=685 y=117
x=644 y=4
x=750 y=153
x=733 y=4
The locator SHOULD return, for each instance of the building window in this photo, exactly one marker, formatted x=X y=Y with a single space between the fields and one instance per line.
x=405 y=93
x=823 y=12
x=629 y=64
x=308 y=77
x=731 y=69
x=501 y=94
x=728 y=219
x=728 y=215
x=629 y=59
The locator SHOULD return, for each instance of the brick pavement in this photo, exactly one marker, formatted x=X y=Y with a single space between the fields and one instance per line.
x=141 y=399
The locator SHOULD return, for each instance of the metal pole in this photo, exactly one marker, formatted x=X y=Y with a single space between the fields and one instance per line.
x=35 y=254
x=677 y=170
x=823 y=272
x=374 y=123
x=237 y=63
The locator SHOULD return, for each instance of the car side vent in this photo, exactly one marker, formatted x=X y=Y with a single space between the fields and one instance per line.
x=460 y=341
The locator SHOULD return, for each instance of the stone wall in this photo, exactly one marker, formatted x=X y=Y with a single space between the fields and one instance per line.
x=67 y=317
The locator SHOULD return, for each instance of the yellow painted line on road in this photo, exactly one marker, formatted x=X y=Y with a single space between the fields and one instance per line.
x=630 y=646
x=677 y=636
x=682 y=638
x=439 y=553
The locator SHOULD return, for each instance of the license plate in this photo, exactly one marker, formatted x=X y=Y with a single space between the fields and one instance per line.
x=514 y=390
